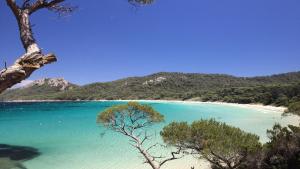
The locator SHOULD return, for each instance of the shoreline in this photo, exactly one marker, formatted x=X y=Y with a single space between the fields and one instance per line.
x=262 y=107
x=187 y=161
x=256 y=106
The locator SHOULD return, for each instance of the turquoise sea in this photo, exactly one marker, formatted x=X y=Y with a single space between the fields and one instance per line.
x=68 y=137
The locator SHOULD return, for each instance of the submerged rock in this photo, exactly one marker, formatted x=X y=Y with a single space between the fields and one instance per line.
x=12 y=156
x=60 y=83
x=6 y=163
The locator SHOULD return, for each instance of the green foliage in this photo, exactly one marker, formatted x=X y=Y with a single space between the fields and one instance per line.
x=294 y=108
x=133 y=121
x=176 y=133
x=132 y=113
x=281 y=152
x=279 y=90
x=217 y=142
x=229 y=147
x=279 y=95
x=223 y=139
x=36 y=92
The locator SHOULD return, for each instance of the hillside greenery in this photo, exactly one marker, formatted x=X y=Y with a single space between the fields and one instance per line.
x=35 y=92
x=278 y=95
x=174 y=86
x=278 y=90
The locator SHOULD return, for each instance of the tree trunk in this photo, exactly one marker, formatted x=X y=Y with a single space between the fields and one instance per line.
x=26 y=34
x=23 y=68
x=32 y=60
x=147 y=157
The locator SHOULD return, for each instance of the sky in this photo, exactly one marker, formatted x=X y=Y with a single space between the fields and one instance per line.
x=105 y=40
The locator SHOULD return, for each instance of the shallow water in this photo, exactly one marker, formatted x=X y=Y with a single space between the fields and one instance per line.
x=68 y=137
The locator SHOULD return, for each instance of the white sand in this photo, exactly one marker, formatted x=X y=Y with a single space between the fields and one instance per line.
x=189 y=161
x=251 y=106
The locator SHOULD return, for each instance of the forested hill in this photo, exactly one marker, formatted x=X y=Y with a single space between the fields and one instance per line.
x=278 y=89
x=38 y=90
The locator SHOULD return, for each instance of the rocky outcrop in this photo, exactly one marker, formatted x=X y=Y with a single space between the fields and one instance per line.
x=60 y=83
x=155 y=81
x=11 y=157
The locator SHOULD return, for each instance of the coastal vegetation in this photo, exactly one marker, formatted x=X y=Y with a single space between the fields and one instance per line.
x=283 y=149
x=294 y=108
x=132 y=120
x=225 y=147
x=277 y=90
x=222 y=145
x=287 y=95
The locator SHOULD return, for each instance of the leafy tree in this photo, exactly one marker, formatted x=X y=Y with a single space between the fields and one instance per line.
x=132 y=121
x=283 y=150
x=225 y=147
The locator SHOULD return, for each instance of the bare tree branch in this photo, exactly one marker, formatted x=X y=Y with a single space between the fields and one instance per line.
x=54 y=5
x=154 y=145
x=13 y=6
x=40 y=4
x=140 y=2
x=26 y=4
x=174 y=156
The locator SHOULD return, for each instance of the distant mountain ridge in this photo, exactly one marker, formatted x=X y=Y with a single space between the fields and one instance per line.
x=59 y=83
x=163 y=85
x=38 y=89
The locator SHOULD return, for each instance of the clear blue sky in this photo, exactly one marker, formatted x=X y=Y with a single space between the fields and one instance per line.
x=107 y=39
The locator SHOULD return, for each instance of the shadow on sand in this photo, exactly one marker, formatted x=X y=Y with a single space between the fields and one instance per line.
x=12 y=156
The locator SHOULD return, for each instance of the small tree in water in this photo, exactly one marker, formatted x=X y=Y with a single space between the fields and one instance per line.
x=132 y=120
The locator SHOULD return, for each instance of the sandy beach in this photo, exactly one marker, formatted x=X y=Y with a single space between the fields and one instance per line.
x=189 y=161
x=252 y=106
